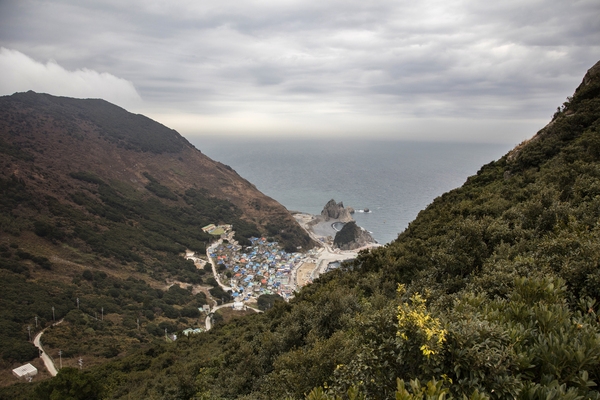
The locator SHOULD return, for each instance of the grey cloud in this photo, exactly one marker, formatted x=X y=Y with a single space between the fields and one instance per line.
x=463 y=59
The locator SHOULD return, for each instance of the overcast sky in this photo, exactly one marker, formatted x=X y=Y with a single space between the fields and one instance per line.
x=462 y=70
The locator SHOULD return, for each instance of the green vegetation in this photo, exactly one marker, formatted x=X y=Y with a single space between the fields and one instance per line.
x=123 y=225
x=267 y=301
x=87 y=243
x=70 y=384
x=290 y=237
x=103 y=315
x=161 y=191
x=491 y=293
x=220 y=295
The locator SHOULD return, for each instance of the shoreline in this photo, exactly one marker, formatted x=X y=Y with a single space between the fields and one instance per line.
x=322 y=232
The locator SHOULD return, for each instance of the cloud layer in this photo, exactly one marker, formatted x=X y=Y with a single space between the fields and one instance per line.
x=427 y=69
x=20 y=73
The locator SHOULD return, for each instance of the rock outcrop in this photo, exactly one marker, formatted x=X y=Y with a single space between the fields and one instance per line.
x=352 y=237
x=337 y=211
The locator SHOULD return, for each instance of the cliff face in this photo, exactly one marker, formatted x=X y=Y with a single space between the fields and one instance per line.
x=333 y=210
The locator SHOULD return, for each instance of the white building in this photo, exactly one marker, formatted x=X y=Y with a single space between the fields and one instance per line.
x=25 y=371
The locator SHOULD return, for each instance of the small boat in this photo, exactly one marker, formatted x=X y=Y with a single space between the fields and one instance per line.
x=366 y=210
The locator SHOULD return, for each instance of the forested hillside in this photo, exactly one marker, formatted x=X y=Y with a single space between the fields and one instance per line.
x=492 y=292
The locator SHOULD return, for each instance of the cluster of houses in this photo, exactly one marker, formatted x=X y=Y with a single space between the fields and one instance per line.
x=262 y=268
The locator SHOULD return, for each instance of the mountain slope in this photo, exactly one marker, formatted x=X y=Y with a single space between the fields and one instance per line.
x=97 y=205
x=47 y=138
x=492 y=292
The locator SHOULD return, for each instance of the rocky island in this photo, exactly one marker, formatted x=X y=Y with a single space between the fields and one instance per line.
x=352 y=237
x=336 y=228
x=333 y=210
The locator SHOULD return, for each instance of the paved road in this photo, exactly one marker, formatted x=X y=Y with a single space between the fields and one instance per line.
x=208 y=322
x=209 y=250
x=48 y=363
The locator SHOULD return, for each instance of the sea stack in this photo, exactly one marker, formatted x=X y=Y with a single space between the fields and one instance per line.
x=337 y=211
x=352 y=237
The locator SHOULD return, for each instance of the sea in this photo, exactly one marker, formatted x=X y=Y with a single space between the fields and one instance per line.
x=394 y=180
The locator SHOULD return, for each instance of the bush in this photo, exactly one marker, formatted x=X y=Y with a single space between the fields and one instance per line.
x=70 y=384
x=190 y=312
x=266 y=301
x=220 y=295
x=212 y=281
x=19 y=351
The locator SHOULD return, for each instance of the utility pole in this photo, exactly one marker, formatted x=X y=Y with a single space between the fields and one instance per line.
x=36 y=321
x=53 y=316
x=60 y=357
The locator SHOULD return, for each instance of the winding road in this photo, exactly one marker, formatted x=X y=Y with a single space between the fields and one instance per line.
x=48 y=362
x=209 y=250
x=208 y=321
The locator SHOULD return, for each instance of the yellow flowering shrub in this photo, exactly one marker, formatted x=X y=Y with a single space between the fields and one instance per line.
x=415 y=323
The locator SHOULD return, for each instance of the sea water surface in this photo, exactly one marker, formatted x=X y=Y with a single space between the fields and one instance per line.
x=393 y=179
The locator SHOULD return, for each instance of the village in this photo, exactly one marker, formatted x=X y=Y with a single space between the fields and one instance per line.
x=262 y=268
x=248 y=272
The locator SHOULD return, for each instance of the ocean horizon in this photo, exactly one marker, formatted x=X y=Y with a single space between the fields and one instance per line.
x=393 y=179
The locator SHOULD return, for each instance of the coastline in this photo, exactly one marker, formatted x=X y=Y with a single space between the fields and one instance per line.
x=322 y=232
x=294 y=271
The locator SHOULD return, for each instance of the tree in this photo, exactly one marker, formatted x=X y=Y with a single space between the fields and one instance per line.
x=266 y=301
x=70 y=384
